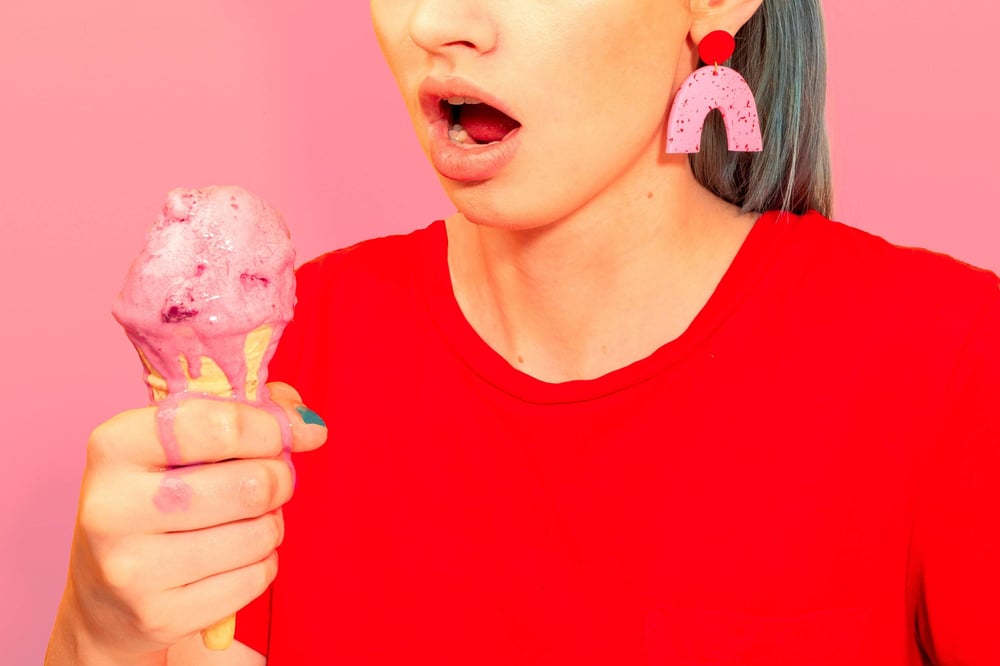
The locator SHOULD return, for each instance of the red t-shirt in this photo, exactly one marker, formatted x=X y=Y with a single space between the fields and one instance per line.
x=808 y=475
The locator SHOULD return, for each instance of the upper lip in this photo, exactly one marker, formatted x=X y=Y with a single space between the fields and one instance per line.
x=432 y=90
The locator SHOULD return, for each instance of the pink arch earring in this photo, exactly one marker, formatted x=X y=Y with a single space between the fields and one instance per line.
x=714 y=87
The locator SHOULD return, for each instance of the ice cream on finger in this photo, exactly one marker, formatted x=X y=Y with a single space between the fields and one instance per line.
x=205 y=303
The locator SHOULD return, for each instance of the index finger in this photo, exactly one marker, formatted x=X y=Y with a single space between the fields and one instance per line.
x=194 y=430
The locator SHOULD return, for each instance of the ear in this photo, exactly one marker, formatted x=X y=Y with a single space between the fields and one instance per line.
x=728 y=15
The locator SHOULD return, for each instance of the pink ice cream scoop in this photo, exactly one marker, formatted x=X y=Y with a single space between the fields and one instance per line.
x=217 y=273
x=205 y=303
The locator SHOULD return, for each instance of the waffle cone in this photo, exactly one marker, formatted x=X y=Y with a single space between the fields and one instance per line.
x=220 y=635
x=213 y=381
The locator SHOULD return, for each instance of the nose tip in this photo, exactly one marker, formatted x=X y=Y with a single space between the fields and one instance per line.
x=452 y=26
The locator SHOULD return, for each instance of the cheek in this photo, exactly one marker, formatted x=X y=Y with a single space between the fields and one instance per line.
x=389 y=23
x=389 y=20
x=378 y=16
x=616 y=98
x=628 y=67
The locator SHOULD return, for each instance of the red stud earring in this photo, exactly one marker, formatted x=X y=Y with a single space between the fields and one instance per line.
x=714 y=87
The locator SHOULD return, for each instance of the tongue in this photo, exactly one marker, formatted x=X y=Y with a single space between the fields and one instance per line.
x=486 y=124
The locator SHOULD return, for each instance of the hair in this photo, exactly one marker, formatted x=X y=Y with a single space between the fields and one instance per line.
x=781 y=53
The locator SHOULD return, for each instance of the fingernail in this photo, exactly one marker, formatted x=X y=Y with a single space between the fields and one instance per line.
x=309 y=416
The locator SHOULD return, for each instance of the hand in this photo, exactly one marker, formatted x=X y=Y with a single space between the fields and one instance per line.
x=160 y=554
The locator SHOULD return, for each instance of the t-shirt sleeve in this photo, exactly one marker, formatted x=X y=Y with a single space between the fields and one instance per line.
x=957 y=535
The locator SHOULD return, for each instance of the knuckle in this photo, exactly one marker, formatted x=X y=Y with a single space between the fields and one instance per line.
x=273 y=533
x=267 y=534
x=224 y=428
x=269 y=570
x=120 y=569
x=152 y=622
x=279 y=526
x=257 y=489
x=257 y=576
x=284 y=488
x=95 y=515
x=99 y=444
x=262 y=537
x=105 y=442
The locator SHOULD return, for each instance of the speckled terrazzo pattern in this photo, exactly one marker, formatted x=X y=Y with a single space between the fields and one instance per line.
x=710 y=88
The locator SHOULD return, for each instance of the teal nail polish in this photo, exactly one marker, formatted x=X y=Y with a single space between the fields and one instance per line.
x=309 y=416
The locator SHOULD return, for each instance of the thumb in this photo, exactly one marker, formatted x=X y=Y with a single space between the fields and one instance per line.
x=308 y=428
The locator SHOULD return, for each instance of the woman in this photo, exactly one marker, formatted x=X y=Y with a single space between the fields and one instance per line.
x=615 y=410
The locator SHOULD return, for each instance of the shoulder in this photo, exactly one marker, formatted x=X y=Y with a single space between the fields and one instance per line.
x=872 y=269
x=868 y=252
x=354 y=302
x=376 y=280
x=384 y=260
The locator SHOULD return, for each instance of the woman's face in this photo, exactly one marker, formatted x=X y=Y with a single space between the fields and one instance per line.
x=584 y=86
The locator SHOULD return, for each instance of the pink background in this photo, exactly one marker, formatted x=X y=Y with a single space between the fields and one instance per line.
x=107 y=104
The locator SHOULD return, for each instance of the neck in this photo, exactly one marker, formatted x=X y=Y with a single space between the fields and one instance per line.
x=578 y=298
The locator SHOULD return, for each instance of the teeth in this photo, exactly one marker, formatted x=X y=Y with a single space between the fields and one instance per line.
x=458 y=101
x=458 y=134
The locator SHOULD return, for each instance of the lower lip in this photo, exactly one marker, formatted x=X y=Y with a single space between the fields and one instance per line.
x=473 y=164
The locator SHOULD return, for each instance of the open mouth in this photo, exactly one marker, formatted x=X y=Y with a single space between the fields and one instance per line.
x=472 y=122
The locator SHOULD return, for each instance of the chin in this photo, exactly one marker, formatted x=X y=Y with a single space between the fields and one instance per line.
x=505 y=216
x=488 y=205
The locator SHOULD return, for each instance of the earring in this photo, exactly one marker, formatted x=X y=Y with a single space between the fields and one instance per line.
x=714 y=87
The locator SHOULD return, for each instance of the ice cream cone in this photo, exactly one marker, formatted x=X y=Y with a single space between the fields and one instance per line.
x=212 y=380
x=204 y=304
x=220 y=635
